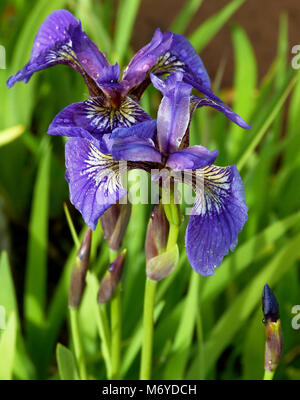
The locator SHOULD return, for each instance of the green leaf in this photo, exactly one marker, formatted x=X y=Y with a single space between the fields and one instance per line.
x=8 y=298
x=245 y=79
x=8 y=135
x=127 y=11
x=266 y=119
x=66 y=363
x=244 y=304
x=184 y=334
x=136 y=339
x=7 y=348
x=36 y=263
x=23 y=368
x=185 y=15
x=202 y=35
x=253 y=350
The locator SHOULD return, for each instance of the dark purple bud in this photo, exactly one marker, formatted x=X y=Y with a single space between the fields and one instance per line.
x=269 y=305
x=274 y=337
x=111 y=279
x=114 y=223
x=79 y=271
x=157 y=233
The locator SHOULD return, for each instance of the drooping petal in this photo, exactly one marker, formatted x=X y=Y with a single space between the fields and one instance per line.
x=132 y=148
x=218 y=216
x=146 y=58
x=94 y=179
x=197 y=102
x=173 y=113
x=60 y=40
x=97 y=117
x=193 y=157
x=182 y=57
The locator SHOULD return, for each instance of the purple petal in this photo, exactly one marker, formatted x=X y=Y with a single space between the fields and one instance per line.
x=197 y=102
x=182 y=57
x=146 y=57
x=193 y=157
x=60 y=40
x=219 y=214
x=173 y=113
x=51 y=46
x=135 y=149
x=97 y=117
x=93 y=177
x=91 y=59
x=144 y=130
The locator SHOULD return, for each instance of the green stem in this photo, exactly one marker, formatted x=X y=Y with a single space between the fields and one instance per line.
x=173 y=215
x=149 y=301
x=103 y=329
x=115 y=310
x=268 y=375
x=79 y=355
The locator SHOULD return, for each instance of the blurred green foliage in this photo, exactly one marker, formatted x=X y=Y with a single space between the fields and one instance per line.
x=205 y=327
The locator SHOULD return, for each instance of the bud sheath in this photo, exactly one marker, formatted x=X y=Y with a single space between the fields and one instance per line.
x=79 y=271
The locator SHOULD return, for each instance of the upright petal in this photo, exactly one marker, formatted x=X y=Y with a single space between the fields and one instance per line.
x=173 y=113
x=91 y=59
x=60 y=40
x=97 y=117
x=218 y=216
x=197 y=102
x=94 y=179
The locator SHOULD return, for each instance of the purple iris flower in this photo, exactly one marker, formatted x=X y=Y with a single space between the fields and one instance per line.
x=219 y=212
x=114 y=102
x=111 y=126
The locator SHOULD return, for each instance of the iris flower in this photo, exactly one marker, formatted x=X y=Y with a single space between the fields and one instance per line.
x=111 y=126
x=113 y=102
x=219 y=212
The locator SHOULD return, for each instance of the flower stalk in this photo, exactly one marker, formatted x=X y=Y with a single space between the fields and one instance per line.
x=172 y=213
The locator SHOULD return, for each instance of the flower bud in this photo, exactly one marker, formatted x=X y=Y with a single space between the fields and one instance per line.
x=111 y=279
x=160 y=263
x=79 y=271
x=114 y=223
x=157 y=232
x=274 y=337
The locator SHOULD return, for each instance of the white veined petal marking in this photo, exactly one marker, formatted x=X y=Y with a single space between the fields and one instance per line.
x=168 y=63
x=105 y=117
x=103 y=170
x=213 y=191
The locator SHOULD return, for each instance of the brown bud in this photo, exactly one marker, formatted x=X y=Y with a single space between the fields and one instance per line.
x=114 y=223
x=274 y=345
x=157 y=233
x=79 y=271
x=111 y=279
